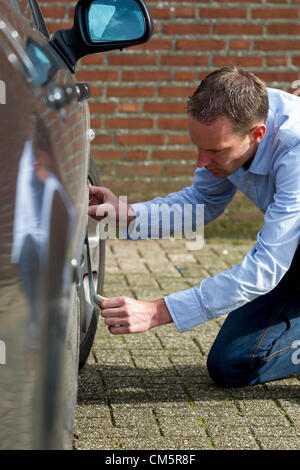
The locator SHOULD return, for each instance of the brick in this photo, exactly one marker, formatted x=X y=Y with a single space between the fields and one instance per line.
x=179 y=139
x=276 y=60
x=223 y=12
x=185 y=75
x=184 y=60
x=128 y=123
x=104 y=154
x=56 y=26
x=129 y=107
x=264 y=13
x=296 y=60
x=276 y=45
x=140 y=170
x=185 y=12
x=92 y=59
x=239 y=44
x=102 y=108
x=103 y=140
x=132 y=60
x=140 y=140
x=163 y=107
x=178 y=28
x=241 y=61
x=172 y=123
x=158 y=13
x=97 y=75
x=96 y=91
x=182 y=92
x=130 y=91
x=184 y=154
x=53 y=11
x=136 y=155
x=180 y=170
x=155 y=44
x=237 y=29
x=146 y=76
x=281 y=28
x=278 y=76
x=199 y=44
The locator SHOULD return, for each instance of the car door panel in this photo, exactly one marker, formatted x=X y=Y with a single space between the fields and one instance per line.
x=46 y=159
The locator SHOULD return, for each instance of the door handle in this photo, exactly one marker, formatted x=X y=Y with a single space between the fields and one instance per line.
x=58 y=97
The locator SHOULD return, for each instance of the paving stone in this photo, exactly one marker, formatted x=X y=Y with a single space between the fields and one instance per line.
x=129 y=266
x=181 y=258
x=258 y=407
x=161 y=443
x=115 y=290
x=144 y=341
x=115 y=278
x=279 y=443
x=141 y=280
x=148 y=294
x=171 y=284
x=228 y=437
x=194 y=271
x=181 y=426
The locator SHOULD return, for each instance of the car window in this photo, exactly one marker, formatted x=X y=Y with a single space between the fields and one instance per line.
x=31 y=10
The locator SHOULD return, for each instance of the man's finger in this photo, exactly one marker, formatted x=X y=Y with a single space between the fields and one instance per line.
x=116 y=321
x=97 y=192
x=118 y=330
x=112 y=302
x=92 y=211
x=112 y=312
x=106 y=209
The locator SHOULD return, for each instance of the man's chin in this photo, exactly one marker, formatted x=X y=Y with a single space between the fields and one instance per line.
x=219 y=173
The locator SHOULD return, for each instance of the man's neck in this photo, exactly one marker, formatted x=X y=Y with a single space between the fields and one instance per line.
x=248 y=162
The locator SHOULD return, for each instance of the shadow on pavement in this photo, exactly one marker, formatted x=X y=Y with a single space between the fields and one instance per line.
x=189 y=384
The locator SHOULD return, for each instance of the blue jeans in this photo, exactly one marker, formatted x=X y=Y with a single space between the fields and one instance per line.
x=260 y=341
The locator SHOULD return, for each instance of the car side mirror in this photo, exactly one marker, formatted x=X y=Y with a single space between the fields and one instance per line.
x=103 y=25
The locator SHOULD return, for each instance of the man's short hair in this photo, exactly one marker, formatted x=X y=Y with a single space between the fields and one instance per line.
x=233 y=93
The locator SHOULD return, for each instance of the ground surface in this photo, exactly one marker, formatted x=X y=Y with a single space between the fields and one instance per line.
x=152 y=390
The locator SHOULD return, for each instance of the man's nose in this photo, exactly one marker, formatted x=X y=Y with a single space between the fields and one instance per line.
x=203 y=160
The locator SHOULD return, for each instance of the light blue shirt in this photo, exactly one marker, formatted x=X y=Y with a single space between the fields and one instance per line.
x=272 y=182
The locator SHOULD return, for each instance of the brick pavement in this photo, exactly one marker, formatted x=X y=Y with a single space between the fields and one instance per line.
x=152 y=390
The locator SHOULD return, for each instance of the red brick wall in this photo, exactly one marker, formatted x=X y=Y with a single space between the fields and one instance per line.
x=139 y=95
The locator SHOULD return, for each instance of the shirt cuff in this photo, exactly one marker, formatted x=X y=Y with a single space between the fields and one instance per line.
x=185 y=309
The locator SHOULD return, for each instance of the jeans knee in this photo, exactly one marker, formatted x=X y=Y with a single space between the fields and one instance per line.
x=225 y=369
x=216 y=367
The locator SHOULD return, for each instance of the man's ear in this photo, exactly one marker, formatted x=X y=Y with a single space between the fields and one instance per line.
x=258 y=132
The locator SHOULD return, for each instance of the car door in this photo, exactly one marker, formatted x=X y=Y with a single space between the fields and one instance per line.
x=44 y=154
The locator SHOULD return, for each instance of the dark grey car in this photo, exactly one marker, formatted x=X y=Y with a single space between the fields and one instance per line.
x=47 y=318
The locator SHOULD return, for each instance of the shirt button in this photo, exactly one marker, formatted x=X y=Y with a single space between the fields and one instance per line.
x=249 y=181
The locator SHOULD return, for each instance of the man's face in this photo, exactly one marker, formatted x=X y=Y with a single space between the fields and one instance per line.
x=220 y=150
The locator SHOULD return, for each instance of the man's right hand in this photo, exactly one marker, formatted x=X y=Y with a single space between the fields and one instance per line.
x=104 y=203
